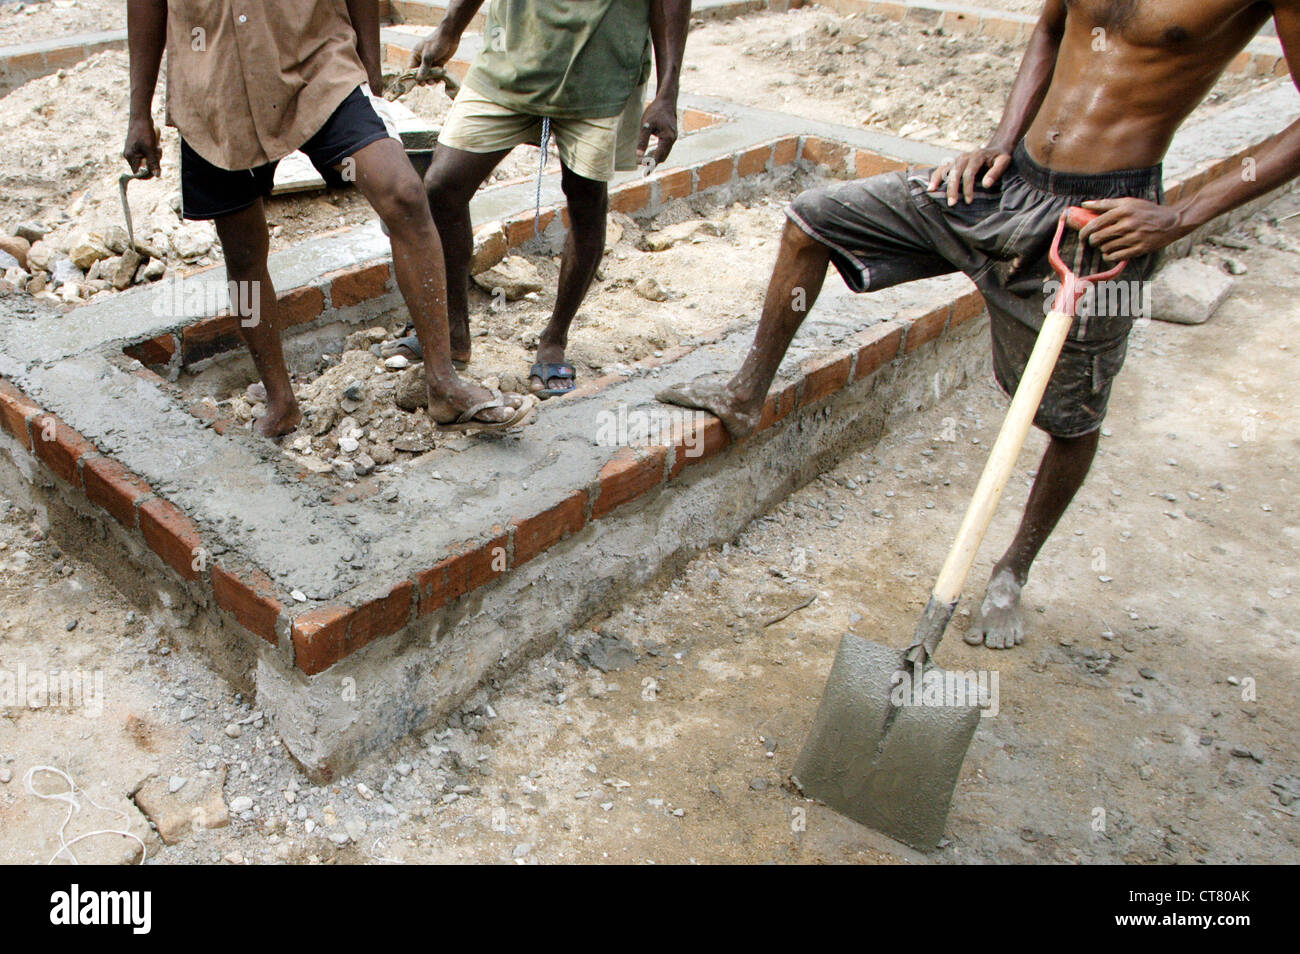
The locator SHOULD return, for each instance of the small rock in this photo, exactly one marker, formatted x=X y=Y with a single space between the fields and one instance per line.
x=88 y=250
x=521 y=850
x=233 y=731
x=490 y=247
x=31 y=231
x=16 y=248
x=1188 y=292
x=648 y=287
x=515 y=277
x=40 y=256
x=240 y=804
x=397 y=362
x=758 y=784
x=176 y=783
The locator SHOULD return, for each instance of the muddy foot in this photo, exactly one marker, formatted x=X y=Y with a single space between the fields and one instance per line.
x=712 y=394
x=490 y=410
x=998 y=625
x=278 y=423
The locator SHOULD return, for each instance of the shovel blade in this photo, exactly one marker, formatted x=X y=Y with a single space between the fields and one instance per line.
x=892 y=768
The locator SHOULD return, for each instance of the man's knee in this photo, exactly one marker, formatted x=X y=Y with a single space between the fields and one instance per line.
x=404 y=201
x=588 y=199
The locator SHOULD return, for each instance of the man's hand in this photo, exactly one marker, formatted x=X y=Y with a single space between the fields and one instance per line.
x=433 y=52
x=1131 y=228
x=142 y=147
x=658 y=120
x=960 y=173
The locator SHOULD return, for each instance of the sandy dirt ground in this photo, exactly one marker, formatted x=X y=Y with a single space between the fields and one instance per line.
x=863 y=70
x=1148 y=717
x=41 y=20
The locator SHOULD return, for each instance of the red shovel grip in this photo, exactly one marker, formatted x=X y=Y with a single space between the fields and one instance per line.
x=1072 y=286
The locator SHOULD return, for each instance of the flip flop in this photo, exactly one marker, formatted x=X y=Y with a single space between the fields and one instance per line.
x=467 y=421
x=409 y=347
x=545 y=372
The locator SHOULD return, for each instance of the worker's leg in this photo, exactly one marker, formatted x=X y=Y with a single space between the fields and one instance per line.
x=588 y=201
x=796 y=281
x=389 y=182
x=453 y=178
x=1061 y=473
x=244 y=244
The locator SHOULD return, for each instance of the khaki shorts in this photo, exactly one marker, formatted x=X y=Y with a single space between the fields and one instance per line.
x=593 y=148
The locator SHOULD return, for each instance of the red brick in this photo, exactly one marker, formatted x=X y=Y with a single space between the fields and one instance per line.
x=458 y=574
x=778 y=406
x=62 y=57
x=209 y=336
x=878 y=346
x=112 y=487
x=628 y=475
x=668 y=356
x=520 y=229
x=716 y=172
x=708 y=436
x=785 y=151
x=867 y=164
x=15 y=409
x=300 y=305
x=59 y=447
x=157 y=350
x=753 y=161
x=594 y=386
x=1009 y=30
x=675 y=184
x=323 y=637
x=171 y=535
x=23 y=63
x=355 y=285
x=250 y=598
x=925 y=327
x=826 y=152
x=824 y=376
x=317 y=635
x=533 y=535
x=968 y=306
x=630 y=198
x=694 y=120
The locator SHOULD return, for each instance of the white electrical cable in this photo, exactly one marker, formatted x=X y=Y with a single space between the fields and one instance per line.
x=541 y=167
x=69 y=798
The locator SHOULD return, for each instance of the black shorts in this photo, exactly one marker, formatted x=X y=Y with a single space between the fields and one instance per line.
x=890 y=229
x=208 y=191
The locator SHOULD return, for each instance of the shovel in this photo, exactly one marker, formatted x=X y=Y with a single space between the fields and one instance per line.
x=891 y=732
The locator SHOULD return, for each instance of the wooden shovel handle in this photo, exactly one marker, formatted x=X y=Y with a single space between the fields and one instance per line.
x=1002 y=459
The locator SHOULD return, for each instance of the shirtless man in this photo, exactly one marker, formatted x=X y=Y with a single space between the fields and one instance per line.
x=247 y=84
x=1103 y=86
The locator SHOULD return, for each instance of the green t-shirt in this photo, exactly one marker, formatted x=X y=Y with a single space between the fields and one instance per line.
x=567 y=59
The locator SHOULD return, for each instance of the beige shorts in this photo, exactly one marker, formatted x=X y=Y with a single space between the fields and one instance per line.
x=593 y=148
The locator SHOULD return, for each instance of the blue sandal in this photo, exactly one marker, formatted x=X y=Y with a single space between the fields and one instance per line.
x=548 y=372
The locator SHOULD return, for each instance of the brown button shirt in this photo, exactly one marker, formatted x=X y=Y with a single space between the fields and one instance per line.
x=249 y=81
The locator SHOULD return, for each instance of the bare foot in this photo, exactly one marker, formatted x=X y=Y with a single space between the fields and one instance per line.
x=998 y=625
x=277 y=423
x=711 y=393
